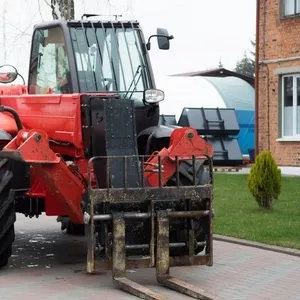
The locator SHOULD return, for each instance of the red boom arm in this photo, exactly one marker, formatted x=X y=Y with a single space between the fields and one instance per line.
x=67 y=185
x=184 y=144
x=63 y=182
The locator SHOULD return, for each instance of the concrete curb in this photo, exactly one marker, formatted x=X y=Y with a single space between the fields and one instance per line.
x=288 y=251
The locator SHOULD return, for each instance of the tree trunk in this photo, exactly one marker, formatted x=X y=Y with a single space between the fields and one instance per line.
x=63 y=9
x=267 y=203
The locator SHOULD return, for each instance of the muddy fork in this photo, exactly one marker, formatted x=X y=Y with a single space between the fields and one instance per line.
x=162 y=263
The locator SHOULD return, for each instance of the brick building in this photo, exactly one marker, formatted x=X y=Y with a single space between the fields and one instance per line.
x=278 y=79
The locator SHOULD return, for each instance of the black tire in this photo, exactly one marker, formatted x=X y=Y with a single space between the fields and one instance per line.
x=7 y=214
x=75 y=229
x=71 y=228
x=186 y=178
x=186 y=173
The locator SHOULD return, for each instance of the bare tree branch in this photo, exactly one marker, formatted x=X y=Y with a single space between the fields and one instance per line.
x=62 y=9
x=47 y=2
x=40 y=11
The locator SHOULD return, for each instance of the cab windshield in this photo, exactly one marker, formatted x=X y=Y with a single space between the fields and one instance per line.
x=109 y=58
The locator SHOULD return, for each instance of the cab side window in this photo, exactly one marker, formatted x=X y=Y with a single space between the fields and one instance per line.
x=49 y=66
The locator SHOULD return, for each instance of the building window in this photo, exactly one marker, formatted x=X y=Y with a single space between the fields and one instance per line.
x=290 y=7
x=291 y=106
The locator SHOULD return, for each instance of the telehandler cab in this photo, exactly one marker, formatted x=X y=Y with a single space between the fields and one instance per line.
x=82 y=142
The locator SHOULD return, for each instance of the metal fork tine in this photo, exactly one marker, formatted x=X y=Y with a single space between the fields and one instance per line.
x=184 y=288
x=119 y=264
x=163 y=266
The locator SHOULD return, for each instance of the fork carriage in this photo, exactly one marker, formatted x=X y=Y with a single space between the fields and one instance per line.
x=137 y=225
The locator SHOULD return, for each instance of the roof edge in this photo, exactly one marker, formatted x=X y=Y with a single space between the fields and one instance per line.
x=219 y=72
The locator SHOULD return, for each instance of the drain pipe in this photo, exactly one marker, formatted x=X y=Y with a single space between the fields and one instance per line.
x=256 y=76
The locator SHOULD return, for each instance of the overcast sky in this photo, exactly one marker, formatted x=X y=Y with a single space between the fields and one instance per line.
x=204 y=31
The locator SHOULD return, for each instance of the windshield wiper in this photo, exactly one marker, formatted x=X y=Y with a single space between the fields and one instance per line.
x=133 y=81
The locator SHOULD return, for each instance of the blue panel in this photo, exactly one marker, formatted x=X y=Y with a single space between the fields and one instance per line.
x=246 y=137
x=235 y=92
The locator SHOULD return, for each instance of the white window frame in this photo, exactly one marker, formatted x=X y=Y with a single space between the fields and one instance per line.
x=294 y=135
x=296 y=8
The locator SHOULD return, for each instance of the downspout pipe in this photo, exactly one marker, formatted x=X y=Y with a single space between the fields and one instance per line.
x=256 y=77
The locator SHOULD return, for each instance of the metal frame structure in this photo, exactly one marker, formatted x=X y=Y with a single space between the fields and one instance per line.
x=116 y=258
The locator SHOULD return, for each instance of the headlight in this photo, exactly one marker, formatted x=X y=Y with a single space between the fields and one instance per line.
x=154 y=96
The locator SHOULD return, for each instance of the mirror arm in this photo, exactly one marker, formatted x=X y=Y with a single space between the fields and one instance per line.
x=148 y=45
x=21 y=78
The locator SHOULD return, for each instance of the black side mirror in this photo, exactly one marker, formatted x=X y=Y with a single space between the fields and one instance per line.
x=163 y=39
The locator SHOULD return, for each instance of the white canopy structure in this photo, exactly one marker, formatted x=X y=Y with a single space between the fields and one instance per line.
x=207 y=92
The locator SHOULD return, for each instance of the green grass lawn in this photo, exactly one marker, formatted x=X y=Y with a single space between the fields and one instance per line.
x=238 y=215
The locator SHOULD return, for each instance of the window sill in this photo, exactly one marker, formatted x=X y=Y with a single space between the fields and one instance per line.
x=283 y=17
x=291 y=139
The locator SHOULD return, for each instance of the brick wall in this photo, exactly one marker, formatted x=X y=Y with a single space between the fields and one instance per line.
x=279 y=38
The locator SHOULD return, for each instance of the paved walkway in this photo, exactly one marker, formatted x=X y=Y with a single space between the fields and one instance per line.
x=285 y=171
x=49 y=265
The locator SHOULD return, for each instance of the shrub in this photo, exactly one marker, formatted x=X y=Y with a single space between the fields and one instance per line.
x=264 y=180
